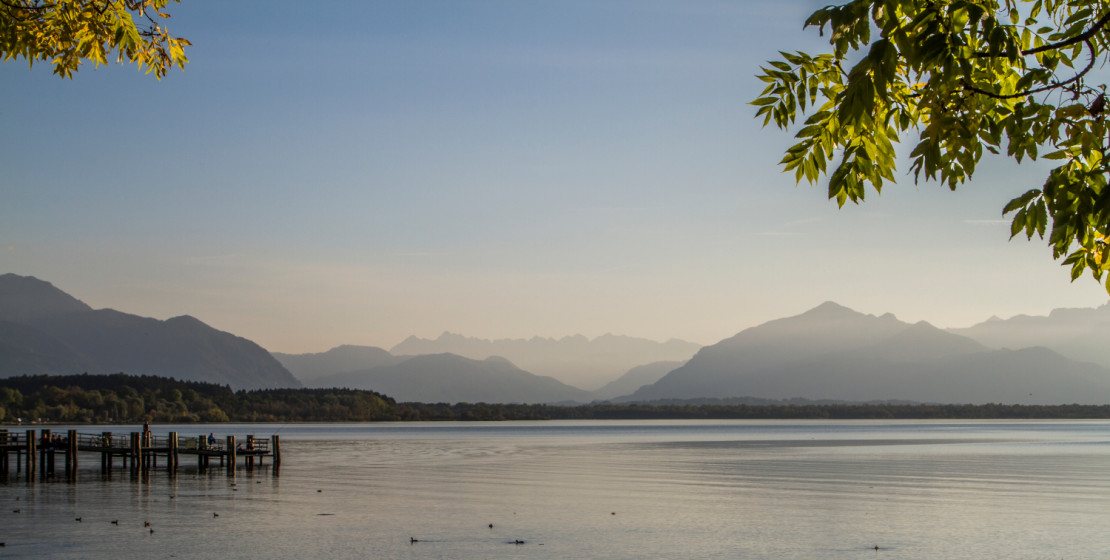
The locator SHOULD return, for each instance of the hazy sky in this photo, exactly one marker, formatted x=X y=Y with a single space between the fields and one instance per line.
x=328 y=173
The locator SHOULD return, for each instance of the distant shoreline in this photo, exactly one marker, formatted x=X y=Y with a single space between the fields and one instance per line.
x=127 y=399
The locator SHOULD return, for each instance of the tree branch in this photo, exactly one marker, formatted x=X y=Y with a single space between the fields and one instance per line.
x=1085 y=37
x=11 y=10
x=21 y=7
x=1082 y=37
x=1047 y=87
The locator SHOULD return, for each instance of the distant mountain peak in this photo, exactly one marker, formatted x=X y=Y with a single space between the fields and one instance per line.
x=106 y=340
x=499 y=360
x=829 y=307
x=26 y=298
x=186 y=320
x=448 y=336
x=830 y=310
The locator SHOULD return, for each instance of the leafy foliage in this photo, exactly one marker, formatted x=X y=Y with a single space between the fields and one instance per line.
x=967 y=76
x=67 y=32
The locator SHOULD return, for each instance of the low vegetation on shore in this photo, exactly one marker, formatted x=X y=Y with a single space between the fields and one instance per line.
x=118 y=398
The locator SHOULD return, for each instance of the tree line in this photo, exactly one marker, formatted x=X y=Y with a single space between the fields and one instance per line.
x=121 y=398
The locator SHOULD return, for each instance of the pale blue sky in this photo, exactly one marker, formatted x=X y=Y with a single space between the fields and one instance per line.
x=328 y=173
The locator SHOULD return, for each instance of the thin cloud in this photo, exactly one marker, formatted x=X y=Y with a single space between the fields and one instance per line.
x=213 y=260
x=779 y=234
x=803 y=221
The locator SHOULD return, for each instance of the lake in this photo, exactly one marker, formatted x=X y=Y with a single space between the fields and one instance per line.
x=609 y=489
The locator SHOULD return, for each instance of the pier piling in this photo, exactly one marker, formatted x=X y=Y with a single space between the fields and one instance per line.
x=275 y=448
x=32 y=456
x=3 y=452
x=231 y=455
x=171 y=452
x=71 y=454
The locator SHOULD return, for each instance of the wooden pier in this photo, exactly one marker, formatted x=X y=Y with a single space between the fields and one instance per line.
x=136 y=451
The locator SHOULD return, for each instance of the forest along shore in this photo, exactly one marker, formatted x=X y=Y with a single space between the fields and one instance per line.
x=121 y=398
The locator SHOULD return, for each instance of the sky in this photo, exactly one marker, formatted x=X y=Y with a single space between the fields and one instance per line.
x=326 y=173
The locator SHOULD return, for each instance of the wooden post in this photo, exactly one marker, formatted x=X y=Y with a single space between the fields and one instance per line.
x=202 y=459
x=4 y=452
x=46 y=460
x=171 y=452
x=144 y=452
x=71 y=454
x=231 y=455
x=250 y=447
x=136 y=451
x=106 y=451
x=275 y=448
x=31 y=455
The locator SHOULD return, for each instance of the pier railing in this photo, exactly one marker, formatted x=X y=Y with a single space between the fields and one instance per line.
x=104 y=441
x=202 y=443
x=14 y=439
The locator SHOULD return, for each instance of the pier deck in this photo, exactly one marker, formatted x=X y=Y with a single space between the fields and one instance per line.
x=138 y=451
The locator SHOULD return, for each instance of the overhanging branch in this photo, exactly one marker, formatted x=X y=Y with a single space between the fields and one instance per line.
x=1082 y=37
x=1047 y=87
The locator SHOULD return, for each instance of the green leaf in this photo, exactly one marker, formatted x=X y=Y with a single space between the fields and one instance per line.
x=1021 y=201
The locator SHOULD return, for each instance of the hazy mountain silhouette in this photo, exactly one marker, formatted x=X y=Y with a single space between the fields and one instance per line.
x=49 y=331
x=341 y=359
x=575 y=360
x=827 y=353
x=452 y=378
x=1081 y=334
x=832 y=352
x=24 y=299
x=25 y=350
x=635 y=378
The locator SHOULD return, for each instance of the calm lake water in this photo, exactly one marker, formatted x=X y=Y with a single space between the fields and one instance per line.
x=675 y=489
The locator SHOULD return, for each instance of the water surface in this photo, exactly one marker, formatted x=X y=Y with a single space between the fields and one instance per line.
x=636 y=489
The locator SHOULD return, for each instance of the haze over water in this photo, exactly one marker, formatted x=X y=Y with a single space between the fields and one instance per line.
x=679 y=489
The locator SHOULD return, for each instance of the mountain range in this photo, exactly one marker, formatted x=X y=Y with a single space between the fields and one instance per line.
x=451 y=378
x=43 y=330
x=832 y=352
x=575 y=360
x=1080 y=334
x=827 y=353
x=447 y=377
